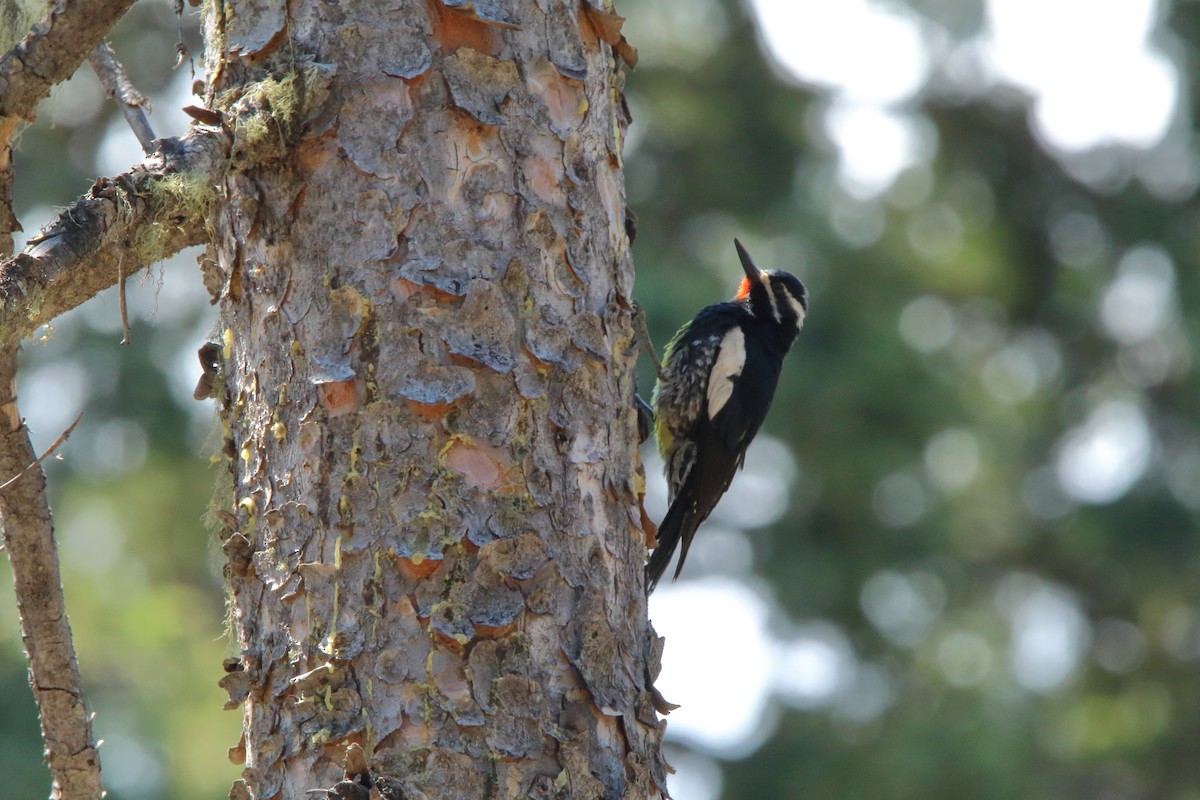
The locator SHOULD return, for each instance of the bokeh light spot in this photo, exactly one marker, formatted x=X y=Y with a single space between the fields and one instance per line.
x=1048 y=630
x=964 y=658
x=1137 y=304
x=899 y=500
x=903 y=607
x=952 y=459
x=1100 y=460
x=927 y=324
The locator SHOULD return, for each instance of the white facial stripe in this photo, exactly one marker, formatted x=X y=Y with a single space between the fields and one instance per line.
x=766 y=284
x=799 y=309
x=731 y=358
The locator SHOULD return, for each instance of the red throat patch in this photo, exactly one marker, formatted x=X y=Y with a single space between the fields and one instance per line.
x=743 y=290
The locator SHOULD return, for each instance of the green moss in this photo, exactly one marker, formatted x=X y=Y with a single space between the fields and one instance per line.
x=18 y=315
x=268 y=116
x=170 y=203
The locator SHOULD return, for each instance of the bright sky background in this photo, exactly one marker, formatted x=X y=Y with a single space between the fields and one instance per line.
x=1091 y=68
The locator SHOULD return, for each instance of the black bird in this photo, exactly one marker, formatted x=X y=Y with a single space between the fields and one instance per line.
x=719 y=376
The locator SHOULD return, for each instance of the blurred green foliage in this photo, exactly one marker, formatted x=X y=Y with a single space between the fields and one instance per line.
x=956 y=350
x=991 y=239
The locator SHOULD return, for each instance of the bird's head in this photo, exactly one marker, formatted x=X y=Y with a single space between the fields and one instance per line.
x=772 y=294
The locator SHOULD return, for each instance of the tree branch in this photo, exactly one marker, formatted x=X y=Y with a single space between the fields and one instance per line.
x=45 y=630
x=51 y=53
x=133 y=220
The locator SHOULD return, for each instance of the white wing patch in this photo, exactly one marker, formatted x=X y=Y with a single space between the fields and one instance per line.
x=731 y=358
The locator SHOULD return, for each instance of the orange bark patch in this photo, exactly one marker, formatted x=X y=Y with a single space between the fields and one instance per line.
x=417 y=567
x=428 y=411
x=447 y=642
x=476 y=462
x=465 y=361
x=494 y=632
x=441 y=296
x=314 y=153
x=546 y=179
x=648 y=526
x=563 y=97
x=297 y=202
x=454 y=29
x=339 y=397
x=403 y=289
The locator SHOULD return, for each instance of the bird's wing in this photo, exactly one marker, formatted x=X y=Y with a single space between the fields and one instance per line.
x=741 y=385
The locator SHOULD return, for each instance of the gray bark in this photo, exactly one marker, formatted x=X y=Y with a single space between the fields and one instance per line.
x=434 y=537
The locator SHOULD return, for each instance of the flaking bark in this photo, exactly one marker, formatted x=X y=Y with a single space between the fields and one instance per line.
x=434 y=542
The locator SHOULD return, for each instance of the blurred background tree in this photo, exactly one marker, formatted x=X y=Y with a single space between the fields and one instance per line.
x=962 y=558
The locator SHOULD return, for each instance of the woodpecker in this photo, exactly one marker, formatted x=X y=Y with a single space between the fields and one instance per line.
x=717 y=382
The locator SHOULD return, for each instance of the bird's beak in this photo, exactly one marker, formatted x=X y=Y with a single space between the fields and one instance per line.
x=752 y=272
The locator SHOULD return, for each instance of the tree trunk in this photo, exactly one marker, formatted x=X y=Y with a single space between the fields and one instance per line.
x=433 y=530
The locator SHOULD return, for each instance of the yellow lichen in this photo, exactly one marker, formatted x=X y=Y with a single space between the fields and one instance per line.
x=355 y=454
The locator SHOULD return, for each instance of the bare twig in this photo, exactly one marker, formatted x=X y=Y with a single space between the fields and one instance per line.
x=117 y=85
x=125 y=339
x=643 y=334
x=62 y=437
x=45 y=631
x=76 y=255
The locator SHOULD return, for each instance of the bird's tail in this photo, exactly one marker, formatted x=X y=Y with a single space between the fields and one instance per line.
x=678 y=525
